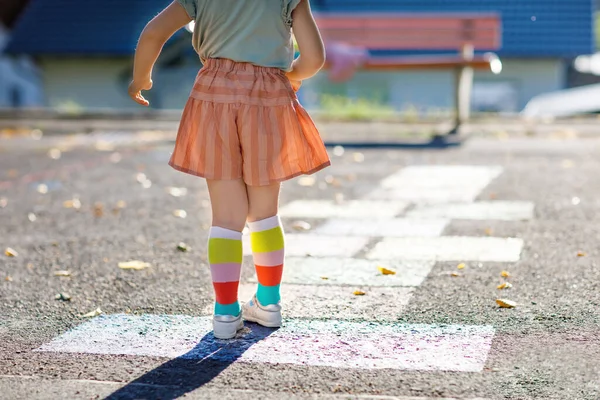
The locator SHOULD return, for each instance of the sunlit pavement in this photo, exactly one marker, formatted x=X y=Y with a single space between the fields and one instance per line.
x=394 y=259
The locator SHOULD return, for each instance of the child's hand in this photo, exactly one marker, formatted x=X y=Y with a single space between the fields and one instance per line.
x=295 y=84
x=135 y=91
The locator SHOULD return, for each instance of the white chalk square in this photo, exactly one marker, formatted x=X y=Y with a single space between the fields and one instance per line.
x=427 y=195
x=482 y=210
x=393 y=227
x=337 y=302
x=326 y=343
x=345 y=271
x=345 y=209
x=436 y=183
x=438 y=176
x=449 y=248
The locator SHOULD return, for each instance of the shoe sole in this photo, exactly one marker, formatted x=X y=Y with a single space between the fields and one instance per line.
x=229 y=336
x=266 y=324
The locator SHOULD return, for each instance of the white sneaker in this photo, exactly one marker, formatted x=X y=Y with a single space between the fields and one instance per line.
x=226 y=326
x=269 y=316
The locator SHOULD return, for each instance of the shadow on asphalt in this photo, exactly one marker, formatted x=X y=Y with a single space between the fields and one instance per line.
x=194 y=369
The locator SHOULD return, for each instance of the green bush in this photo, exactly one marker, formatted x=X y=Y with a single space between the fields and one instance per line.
x=344 y=108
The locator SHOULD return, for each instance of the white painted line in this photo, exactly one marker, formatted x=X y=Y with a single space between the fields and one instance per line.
x=449 y=248
x=307 y=245
x=346 y=209
x=353 y=272
x=337 y=302
x=395 y=227
x=436 y=183
x=329 y=343
x=483 y=210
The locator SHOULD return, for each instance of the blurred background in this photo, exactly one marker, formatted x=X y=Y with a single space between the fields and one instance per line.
x=73 y=55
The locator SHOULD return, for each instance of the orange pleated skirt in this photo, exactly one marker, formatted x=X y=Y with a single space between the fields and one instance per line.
x=245 y=121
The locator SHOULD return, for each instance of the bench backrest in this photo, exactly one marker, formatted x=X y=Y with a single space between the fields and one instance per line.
x=418 y=31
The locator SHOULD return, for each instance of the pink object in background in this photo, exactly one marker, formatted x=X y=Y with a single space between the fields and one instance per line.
x=344 y=60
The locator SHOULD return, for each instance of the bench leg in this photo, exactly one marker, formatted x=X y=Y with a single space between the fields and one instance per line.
x=463 y=89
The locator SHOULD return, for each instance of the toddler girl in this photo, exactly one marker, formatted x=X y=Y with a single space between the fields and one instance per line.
x=244 y=131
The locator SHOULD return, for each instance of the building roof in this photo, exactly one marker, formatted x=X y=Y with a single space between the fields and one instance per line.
x=531 y=28
x=88 y=27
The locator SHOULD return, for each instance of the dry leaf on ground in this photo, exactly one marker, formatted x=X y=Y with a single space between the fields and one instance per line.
x=183 y=247
x=177 y=191
x=580 y=254
x=505 y=274
x=566 y=163
x=505 y=285
x=93 y=313
x=8 y=278
x=454 y=274
x=54 y=154
x=331 y=180
x=63 y=297
x=301 y=225
x=306 y=181
x=504 y=303
x=119 y=206
x=98 y=209
x=338 y=151
x=358 y=157
x=143 y=179
x=386 y=271
x=11 y=252
x=115 y=158
x=36 y=134
x=359 y=293
x=180 y=213
x=75 y=203
x=104 y=145
x=135 y=265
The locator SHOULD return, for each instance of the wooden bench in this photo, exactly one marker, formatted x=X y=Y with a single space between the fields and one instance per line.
x=462 y=33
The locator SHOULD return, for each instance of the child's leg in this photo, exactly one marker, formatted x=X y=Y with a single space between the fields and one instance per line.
x=229 y=202
x=266 y=238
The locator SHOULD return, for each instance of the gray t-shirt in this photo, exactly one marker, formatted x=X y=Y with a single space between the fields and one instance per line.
x=254 y=31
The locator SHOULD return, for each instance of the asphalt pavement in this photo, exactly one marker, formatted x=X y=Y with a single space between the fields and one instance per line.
x=390 y=291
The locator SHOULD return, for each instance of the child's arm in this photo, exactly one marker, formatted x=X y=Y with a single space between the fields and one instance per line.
x=310 y=45
x=152 y=39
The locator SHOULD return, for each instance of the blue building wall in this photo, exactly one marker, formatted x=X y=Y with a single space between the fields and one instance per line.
x=539 y=39
x=531 y=28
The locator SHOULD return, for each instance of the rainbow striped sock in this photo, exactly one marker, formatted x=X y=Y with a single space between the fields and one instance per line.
x=266 y=238
x=225 y=259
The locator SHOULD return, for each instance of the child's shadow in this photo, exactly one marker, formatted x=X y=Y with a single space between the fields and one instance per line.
x=194 y=369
